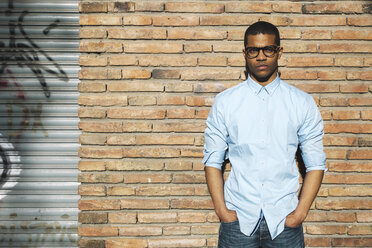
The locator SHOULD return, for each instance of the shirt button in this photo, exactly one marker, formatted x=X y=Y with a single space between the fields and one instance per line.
x=262 y=163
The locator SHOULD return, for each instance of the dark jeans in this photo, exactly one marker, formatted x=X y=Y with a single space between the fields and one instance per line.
x=231 y=237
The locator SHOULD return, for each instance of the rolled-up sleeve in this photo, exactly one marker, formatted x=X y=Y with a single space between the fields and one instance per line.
x=310 y=137
x=216 y=135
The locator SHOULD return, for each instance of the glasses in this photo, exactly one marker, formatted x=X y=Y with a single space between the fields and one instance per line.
x=268 y=51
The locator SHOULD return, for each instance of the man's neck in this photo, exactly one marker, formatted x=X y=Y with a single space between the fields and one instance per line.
x=264 y=83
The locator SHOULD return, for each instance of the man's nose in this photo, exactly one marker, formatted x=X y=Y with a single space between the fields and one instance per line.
x=261 y=55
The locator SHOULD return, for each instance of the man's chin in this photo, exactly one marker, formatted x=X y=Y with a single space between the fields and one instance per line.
x=262 y=78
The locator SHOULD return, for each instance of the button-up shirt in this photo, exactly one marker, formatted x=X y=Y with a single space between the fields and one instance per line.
x=259 y=129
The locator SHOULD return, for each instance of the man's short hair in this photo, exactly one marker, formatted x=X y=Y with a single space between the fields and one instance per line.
x=262 y=27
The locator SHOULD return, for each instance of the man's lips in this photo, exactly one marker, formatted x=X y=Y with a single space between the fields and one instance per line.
x=262 y=67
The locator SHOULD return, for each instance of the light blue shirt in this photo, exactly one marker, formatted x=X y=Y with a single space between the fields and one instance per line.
x=258 y=129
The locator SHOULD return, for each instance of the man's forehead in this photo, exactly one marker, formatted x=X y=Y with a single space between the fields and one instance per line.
x=267 y=39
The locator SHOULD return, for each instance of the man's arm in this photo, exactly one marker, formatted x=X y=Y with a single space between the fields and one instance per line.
x=215 y=185
x=310 y=188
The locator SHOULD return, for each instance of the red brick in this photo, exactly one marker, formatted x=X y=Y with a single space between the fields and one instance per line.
x=178 y=34
x=162 y=47
x=339 y=141
x=338 y=204
x=198 y=47
x=179 y=87
x=103 y=100
x=105 y=231
x=317 y=34
x=122 y=218
x=100 y=46
x=92 y=139
x=351 y=242
x=91 y=113
x=177 y=243
x=205 y=230
x=165 y=74
x=106 y=204
x=295 y=47
x=149 y=6
x=350 y=191
x=164 y=139
x=189 y=178
x=359 y=21
x=142 y=152
x=92 y=60
x=334 y=101
x=332 y=8
x=360 y=154
x=348 y=128
x=342 y=216
x=350 y=166
x=318 y=87
x=133 y=113
x=92 y=87
x=366 y=114
x=175 y=20
x=331 y=75
x=92 y=190
x=135 y=86
x=191 y=217
x=309 y=61
x=187 y=203
x=197 y=7
x=287 y=7
x=346 y=114
x=130 y=127
x=136 y=74
x=147 y=178
x=164 y=190
x=137 y=165
x=255 y=7
x=204 y=74
x=192 y=152
x=345 y=48
x=163 y=217
x=99 y=73
x=212 y=60
x=317 y=242
x=144 y=203
x=298 y=74
x=178 y=165
x=86 y=20
x=360 y=101
x=92 y=218
x=180 y=113
x=120 y=190
x=317 y=20
x=92 y=152
x=227 y=47
x=123 y=60
x=176 y=230
x=362 y=75
x=120 y=6
x=91 y=33
x=92 y=165
x=276 y=20
x=364 y=216
x=170 y=100
x=92 y=7
x=140 y=230
x=351 y=35
x=126 y=243
x=100 y=178
x=167 y=60
x=135 y=33
x=349 y=61
x=142 y=100
x=101 y=126
x=354 y=88
x=229 y=20
x=179 y=127
x=137 y=20
x=336 y=153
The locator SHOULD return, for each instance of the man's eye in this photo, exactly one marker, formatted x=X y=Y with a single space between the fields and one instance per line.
x=269 y=49
x=252 y=50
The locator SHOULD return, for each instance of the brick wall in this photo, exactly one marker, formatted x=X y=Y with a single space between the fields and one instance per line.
x=149 y=74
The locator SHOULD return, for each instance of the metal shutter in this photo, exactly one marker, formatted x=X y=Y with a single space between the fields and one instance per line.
x=38 y=123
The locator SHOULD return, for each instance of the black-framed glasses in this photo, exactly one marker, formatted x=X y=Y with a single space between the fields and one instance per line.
x=268 y=51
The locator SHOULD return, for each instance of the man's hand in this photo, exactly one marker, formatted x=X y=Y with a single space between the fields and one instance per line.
x=228 y=215
x=294 y=219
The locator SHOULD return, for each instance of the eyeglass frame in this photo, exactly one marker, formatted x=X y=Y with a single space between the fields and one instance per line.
x=276 y=49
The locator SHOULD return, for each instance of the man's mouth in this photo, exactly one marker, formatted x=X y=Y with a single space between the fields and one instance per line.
x=262 y=67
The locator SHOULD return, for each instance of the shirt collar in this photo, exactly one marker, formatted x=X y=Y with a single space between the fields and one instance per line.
x=270 y=88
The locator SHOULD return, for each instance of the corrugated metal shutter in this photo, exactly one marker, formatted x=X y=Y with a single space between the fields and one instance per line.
x=38 y=123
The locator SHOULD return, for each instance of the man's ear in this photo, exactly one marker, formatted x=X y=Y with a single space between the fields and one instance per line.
x=280 y=52
x=244 y=53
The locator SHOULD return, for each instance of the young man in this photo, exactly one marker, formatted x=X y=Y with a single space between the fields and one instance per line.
x=258 y=126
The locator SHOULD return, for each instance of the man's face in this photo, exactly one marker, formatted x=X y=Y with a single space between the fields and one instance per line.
x=262 y=68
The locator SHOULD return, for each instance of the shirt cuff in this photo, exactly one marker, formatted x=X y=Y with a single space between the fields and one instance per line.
x=214 y=158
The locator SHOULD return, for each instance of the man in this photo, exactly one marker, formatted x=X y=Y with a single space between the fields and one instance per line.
x=258 y=126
